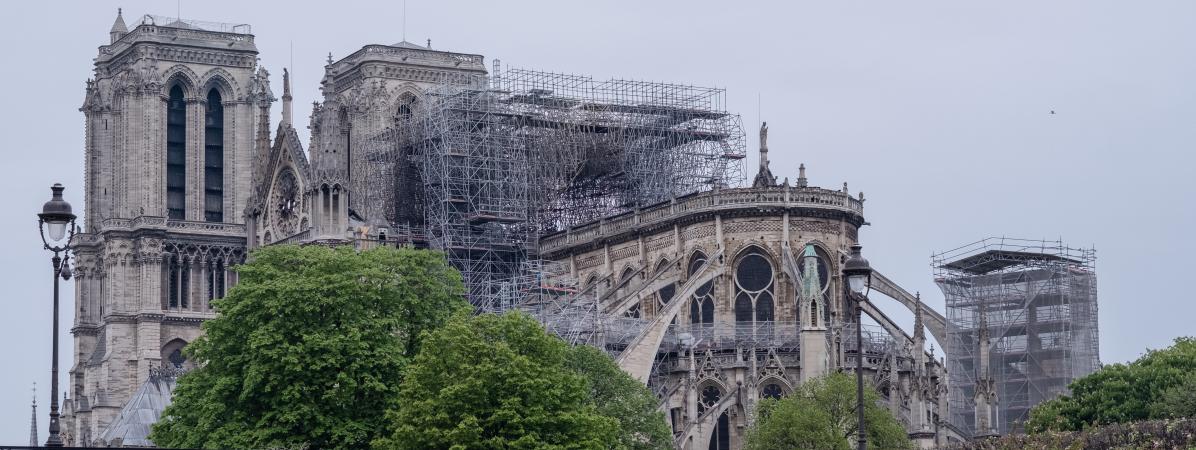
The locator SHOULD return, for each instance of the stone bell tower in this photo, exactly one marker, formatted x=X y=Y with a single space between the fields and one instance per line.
x=172 y=115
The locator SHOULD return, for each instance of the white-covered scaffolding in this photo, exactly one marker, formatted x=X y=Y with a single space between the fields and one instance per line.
x=1039 y=302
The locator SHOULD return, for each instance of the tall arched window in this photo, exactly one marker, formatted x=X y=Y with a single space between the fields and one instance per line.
x=753 y=288
x=701 y=309
x=721 y=437
x=406 y=106
x=179 y=284
x=213 y=159
x=176 y=155
x=711 y=395
x=772 y=390
x=665 y=293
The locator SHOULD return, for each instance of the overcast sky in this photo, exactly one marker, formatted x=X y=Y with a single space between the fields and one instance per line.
x=938 y=111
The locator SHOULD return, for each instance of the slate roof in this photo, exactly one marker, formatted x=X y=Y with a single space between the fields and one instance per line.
x=132 y=427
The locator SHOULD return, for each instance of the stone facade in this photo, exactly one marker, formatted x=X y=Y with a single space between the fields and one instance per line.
x=729 y=295
x=146 y=274
x=734 y=295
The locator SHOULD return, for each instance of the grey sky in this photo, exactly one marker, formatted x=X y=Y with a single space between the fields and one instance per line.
x=938 y=111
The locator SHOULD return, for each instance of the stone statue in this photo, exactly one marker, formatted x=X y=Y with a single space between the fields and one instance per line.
x=764 y=135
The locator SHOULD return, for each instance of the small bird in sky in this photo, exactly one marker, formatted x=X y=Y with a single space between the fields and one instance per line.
x=1052 y=111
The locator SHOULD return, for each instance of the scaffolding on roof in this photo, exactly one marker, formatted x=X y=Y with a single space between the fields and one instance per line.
x=537 y=152
x=1038 y=299
x=191 y=24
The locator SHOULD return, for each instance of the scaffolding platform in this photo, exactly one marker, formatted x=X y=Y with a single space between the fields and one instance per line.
x=1038 y=301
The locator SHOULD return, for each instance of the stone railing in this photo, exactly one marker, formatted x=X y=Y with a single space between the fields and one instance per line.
x=180 y=226
x=704 y=202
x=296 y=238
x=186 y=226
x=406 y=54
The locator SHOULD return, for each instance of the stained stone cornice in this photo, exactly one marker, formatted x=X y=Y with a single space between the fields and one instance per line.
x=799 y=203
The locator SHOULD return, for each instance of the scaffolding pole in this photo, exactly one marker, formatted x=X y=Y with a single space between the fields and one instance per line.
x=1040 y=307
x=534 y=152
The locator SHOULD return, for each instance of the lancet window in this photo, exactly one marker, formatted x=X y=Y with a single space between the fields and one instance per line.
x=176 y=154
x=213 y=162
x=701 y=308
x=754 y=288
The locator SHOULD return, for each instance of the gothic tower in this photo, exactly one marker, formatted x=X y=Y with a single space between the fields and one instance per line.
x=813 y=316
x=361 y=134
x=172 y=117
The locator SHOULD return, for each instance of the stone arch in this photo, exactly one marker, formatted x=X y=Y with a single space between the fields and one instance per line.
x=702 y=304
x=756 y=244
x=661 y=264
x=696 y=251
x=407 y=99
x=767 y=380
x=628 y=269
x=172 y=354
x=223 y=82
x=754 y=298
x=184 y=77
x=826 y=255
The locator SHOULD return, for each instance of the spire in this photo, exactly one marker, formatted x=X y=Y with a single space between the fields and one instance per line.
x=118 y=27
x=801 y=176
x=764 y=178
x=811 y=287
x=33 y=420
x=918 y=333
x=286 y=96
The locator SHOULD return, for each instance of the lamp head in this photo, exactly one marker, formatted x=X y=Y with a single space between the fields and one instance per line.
x=857 y=270
x=56 y=214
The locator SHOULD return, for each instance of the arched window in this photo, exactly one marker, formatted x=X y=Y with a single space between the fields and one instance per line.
x=176 y=155
x=823 y=264
x=711 y=395
x=406 y=106
x=772 y=390
x=815 y=269
x=701 y=309
x=721 y=439
x=213 y=159
x=665 y=293
x=346 y=129
x=216 y=281
x=179 y=284
x=172 y=355
x=753 y=288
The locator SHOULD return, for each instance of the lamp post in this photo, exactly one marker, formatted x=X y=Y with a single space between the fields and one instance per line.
x=858 y=273
x=58 y=222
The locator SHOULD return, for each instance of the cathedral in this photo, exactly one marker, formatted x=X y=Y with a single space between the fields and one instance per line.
x=610 y=209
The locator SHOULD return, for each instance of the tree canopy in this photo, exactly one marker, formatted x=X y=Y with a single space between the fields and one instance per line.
x=502 y=382
x=821 y=414
x=619 y=396
x=309 y=348
x=1159 y=385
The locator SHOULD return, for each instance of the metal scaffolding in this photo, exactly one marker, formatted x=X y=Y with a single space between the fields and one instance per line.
x=536 y=152
x=1038 y=300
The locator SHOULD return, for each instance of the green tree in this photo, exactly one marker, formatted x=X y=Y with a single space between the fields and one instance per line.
x=1156 y=386
x=308 y=348
x=619 y=396
x=495 y=382
x=821 y=414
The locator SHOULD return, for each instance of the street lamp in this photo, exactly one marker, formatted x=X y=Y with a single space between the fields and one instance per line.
x=57 y=221
x=858 y=273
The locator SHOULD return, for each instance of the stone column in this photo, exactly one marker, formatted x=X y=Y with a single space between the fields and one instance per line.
x=195 y=158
